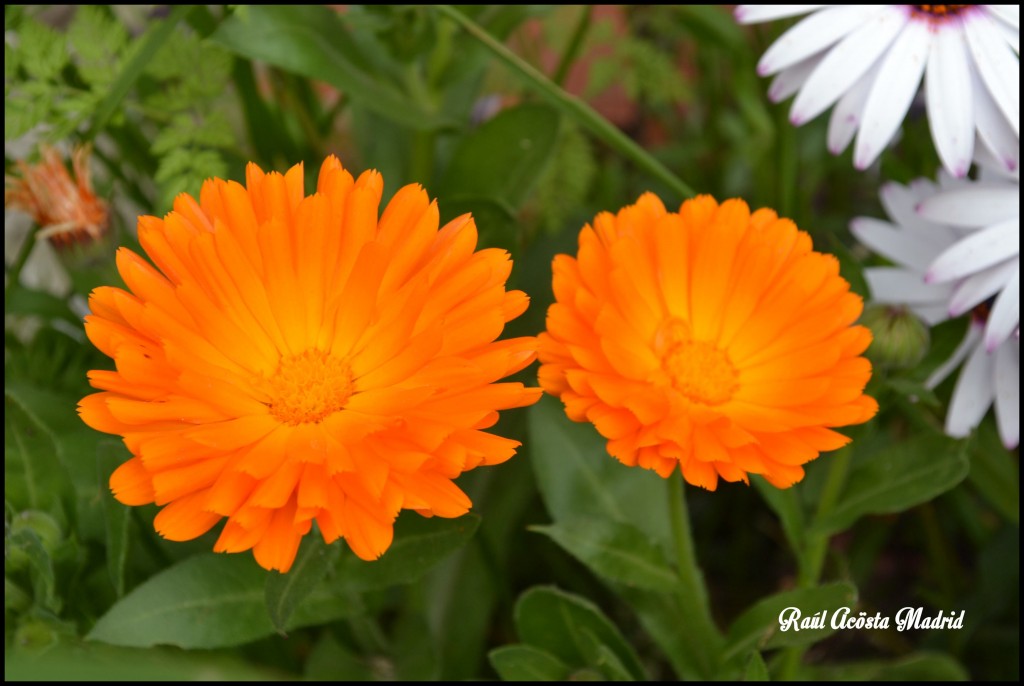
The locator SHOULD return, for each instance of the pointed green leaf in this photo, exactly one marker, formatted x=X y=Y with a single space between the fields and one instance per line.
x=756 y=669
x=526 y=663
x=572 y=629
x=208 y=601
x=578 y=478
x=505 y=156
x=897 y=478
x=420 y=543
x=615 y=551
x=759 y=627
x=284 y=592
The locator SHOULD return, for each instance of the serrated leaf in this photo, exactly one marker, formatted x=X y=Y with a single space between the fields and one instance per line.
x=98 y=40
x=419 y=544
x=896 y=478
x=616 y=551
x=284 y=592
x=759 y=628
x=42 y=49
x=571 y=628
x=208 y=601
x=503 y=159
x=526 y=663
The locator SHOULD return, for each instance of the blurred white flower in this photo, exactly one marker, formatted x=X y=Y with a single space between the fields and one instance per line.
x=988 y=377
x=957 y=249
x=957 y=244
x=871 y=59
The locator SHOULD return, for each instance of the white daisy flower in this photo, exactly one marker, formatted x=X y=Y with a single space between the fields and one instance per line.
x=988 y=377
x=868 y=60
x=956 y=249
x=956 y=244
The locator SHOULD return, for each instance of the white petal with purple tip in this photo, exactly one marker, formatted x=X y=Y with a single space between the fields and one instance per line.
x=972 y=395
x=978 y=251
x=979 y=205
x=948 y=97
x=813 y=35
x=979 y=287
x=846 y=62
x=751 y=14
x=998 y=67
x=1005 y=315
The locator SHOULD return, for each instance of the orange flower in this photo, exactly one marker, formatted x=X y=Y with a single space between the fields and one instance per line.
x=713 y=339
x=294 y=358
x=66 y=209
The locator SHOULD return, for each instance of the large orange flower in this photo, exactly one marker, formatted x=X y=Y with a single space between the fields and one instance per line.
x=294 y=358
x=711 y=339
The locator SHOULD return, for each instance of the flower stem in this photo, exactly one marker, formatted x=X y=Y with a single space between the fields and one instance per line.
x=571 y=105
x=812 y=557
x=575 y=43
x=692 y=590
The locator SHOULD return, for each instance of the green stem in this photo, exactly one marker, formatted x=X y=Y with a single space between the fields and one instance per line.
x=575 y=43
x=693 y=593
x=133 y=70
x=571 y=105
x=787 y=164
x=421 y=156
x=812 y=558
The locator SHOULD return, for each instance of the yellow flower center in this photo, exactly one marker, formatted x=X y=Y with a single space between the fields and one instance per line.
x=307 y=388
x=697 y=369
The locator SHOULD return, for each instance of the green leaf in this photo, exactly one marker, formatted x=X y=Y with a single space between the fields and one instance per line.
x=922 y=666
x=309 y=41
x=897 y=478
x=33 y=477
x=102 y=663
x=284 y=592
x=110 y=455
x=99 y=41
x=759 y=628
x=786 y=504
x=331 y=661
x=995 y=473
x=43 y=51
x=505 y=156
x=572 y=629
x=494 y=219
x=615 y=551
x=207 y=601
x=756 y=669
x=44 y=584
x=577 y=477
x=526 y=663
x=419 y=544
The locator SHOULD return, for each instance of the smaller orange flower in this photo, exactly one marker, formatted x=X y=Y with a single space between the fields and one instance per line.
x=66 y=209
x=712 y=340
